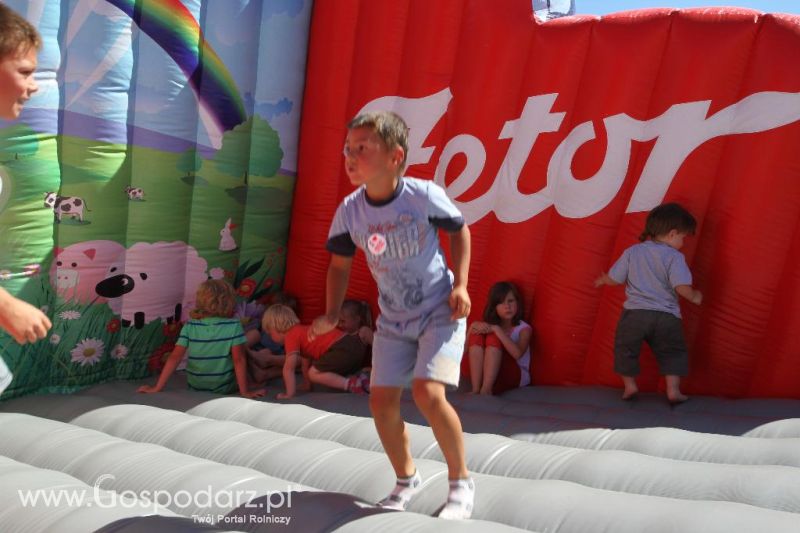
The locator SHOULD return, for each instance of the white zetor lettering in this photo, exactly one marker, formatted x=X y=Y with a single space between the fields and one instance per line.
x=678 y=132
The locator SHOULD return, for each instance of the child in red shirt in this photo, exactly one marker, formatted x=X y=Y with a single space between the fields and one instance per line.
x=334 y=359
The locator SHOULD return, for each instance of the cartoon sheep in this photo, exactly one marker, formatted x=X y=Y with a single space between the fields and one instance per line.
x=151 y=281
x=78 y=268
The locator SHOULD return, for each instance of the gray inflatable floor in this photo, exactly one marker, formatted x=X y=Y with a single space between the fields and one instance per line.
x=544 y=459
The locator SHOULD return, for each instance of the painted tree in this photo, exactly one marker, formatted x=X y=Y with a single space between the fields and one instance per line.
x=252 y=147
x=189 y=162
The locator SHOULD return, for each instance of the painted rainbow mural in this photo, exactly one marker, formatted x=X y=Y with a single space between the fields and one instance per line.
x=175 y=29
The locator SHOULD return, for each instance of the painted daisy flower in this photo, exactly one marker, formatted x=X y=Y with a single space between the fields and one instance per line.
x=5 y=274
x=55 y=338
x=120 y=351
x=69 y=315
x=88 y=352
x=216 y=273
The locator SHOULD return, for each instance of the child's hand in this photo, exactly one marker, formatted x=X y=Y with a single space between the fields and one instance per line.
x=601 y=280
x=459 y=302
x=321 y=325
x=147 y=389
x=283 y=396
x=697 y=297
x=481 y=328
x=258 y=393
x=366 y=335
x=23 y=321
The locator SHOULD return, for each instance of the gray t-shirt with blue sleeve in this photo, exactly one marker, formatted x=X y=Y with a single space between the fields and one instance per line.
x=651 y=271
x=400 y=241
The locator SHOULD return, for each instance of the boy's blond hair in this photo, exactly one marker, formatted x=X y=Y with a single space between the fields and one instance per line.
x=280 y=318
x=389 y=126
x=215 y=297
x=16 y=34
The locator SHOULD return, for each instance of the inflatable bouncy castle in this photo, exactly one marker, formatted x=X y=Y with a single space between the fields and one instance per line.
x=555 y=140
x=176 y=141
x=160 y=149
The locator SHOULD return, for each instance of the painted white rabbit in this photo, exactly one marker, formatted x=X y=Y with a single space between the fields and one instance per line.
x=226 y=241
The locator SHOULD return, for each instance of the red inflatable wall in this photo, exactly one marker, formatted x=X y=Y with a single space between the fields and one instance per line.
x=556 y=139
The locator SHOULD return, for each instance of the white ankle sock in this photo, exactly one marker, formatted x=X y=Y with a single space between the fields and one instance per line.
x=460 y=500
x=402 y=493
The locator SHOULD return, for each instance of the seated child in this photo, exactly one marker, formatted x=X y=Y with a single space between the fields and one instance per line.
x=265 y=357
x=500 y=346
x=333 y=359
x=355 y=318
x=215 y=342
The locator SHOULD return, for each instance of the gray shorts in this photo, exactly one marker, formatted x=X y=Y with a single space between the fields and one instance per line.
x=429 y=347
x=662 y=331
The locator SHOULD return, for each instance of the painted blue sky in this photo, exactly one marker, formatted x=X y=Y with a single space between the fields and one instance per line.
x=603 y=7
x=101 y=66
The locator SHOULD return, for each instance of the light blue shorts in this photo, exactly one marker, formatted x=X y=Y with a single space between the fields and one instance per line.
x=428 y=347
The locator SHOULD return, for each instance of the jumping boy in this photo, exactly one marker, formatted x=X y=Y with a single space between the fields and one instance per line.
x=421 y=330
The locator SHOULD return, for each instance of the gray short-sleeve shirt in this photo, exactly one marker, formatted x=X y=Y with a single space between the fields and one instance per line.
x=651 y=271
x=400 y=241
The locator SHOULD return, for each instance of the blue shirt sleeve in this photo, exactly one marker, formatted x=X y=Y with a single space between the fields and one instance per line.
x=339 y=240
x=442 y=213
x=619 y=270
x=678 y=271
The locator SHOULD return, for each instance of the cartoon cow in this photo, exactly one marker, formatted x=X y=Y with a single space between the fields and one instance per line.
x=65 y=205
x=134 y=193
x=79 y=267
x=152 y=281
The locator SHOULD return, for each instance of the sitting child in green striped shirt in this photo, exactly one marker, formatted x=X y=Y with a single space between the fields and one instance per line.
x=215 y=341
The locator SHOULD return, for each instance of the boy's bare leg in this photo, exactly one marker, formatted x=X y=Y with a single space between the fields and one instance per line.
x=443 y=419
x=384 y=403
x=674 y=393
x=329 y=379
x=631 y=389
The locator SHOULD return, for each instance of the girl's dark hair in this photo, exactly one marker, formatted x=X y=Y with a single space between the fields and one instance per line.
x=361 y=309
x=665 y=218
x=497 y=294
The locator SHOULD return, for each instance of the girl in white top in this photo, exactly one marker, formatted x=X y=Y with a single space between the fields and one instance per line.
x=499 y=347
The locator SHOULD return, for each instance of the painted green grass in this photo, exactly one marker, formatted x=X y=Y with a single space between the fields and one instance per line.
x=49 y=366
x=177 y=206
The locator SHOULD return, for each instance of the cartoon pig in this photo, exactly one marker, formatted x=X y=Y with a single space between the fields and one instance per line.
x=79 y=267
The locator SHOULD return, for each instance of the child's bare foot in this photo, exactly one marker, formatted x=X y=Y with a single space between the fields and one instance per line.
x=676 y=398
x=631 y=391
x=630 y=394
